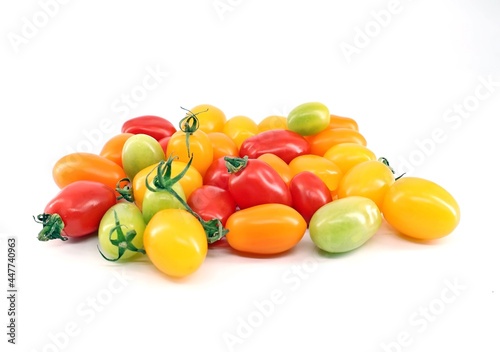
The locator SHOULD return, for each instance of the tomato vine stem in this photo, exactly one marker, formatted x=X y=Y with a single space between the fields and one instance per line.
x=189 y=125
x=53 y=227
x=125 y=192
x=386 y=163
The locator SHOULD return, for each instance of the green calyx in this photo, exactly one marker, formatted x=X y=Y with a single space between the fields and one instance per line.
x=122 y=241
x=235 y=164
x=125 y=192
x=53 y=227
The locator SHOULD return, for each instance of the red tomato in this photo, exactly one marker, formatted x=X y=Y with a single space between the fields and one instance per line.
x=254 y=182
x=211 y=202
x=283 y=143
x=154 y=126
x=309 y=193
x=76 y=210
x=217 y=174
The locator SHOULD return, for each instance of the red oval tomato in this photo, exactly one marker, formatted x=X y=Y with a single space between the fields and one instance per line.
x=154 y=126
x=217 y=174
x=309 y=193
x=211 y=202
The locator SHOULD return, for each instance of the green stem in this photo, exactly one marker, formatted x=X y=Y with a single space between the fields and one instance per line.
x=386 y=163
x=189 y=125
x=235 y=164
x=53 y=227
x=125 y=192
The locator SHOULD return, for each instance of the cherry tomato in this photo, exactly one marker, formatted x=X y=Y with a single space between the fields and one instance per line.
x=265 y=229
x=112 y=149
x=200 y=147
x=253 y=182
x=279 y=165
x=211 y=202
x=346 y=155
x=308 y=118
x=325 y=169
x=140 y=151
x=420 y=208
x=175 y=242
x=272 y=122
x=309 y=193
x=222 y=145
x=76 y=210
x=283 y=143
x=239 y=128
x=344 y=224
x=155 y=201
x=321 y=142
x=342 y=122
x=154 y=126
x=81 y=166
x=121 y=231
x=217 y=174
x=370 y=179
x=210 y=118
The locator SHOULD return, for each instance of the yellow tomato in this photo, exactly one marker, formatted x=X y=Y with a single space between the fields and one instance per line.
x=239 y=128
x=200 y=147
x=346 y=155
x=273 y=122
x=325 y=169
x=210 y=118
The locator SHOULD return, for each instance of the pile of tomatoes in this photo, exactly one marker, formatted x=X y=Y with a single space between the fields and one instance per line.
x=172 y=193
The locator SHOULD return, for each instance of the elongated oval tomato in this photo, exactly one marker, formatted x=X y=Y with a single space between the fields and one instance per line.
x=324 y=140
x=175 y=242
x=346 y=155
x=222 y=145
x=76 y=210
x=112 y=149
x=253 y=182
x=265 y=229
x=308 y=118
x=283 y=143
x=420 y=208
x=309 y=193
x=154 y=126
x=281 y=167
x=325 y=169
x=272 y=122
x=337 y=121
x=81 y=166
x=212 y=202
x=239 y=128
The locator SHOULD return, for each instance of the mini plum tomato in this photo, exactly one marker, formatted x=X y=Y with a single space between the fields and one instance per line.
x=321 y=142
x=120 y=232
x=309 y=193
x=272 y=122
x=217 y=174
x=140 y=151
x=82 y=166
x=210 y=118
x=342 y=122
x=370 y=179
x=346 y=155
x=420 y=209
x=265 y=229
x=212 y=202
x=325 y=169
x=239 y=128
x=308 y=118
x=175 y=242
x=200 y=147
x=344 y=224
x=154 y=126
x=112 y=149
x=222 y=145
x=279 y=165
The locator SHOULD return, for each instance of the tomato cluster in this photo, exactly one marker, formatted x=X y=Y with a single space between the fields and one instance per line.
x=173 y=193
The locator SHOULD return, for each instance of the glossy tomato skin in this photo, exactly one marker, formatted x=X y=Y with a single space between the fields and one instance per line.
x=130 y=218
x=154 y=126
x=154 y=202
x=210 y=117
x=309 y=193
x=420 y=209
x=81 y=205
x=308 y=118
x=278 y=164
x=112 y=149
x=265 y=229
x=200 y=147
x=175 y=242
x=222 y=145
x=81 y=166
x=257 y=183
x=212 y=202
x=324 y=140
x=344 y=224
x=283 y=143
x=140 y=151
x=337 y=121
x=217 y=174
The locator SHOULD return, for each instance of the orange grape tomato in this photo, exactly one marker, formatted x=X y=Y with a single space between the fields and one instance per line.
x=239 y=128
x=222 y=145
x=325 y=169
x=279 y=165
x=343 y=122
x=112 y=149
x=321 y=142
x=272 y=122
x=210 y=118
x=346 y=155
x=200 y=146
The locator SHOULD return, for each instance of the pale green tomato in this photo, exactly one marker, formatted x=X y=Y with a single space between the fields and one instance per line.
x=162 y=199
x=308 y=118
x=123 y=219
x=344 y=224
x=139 y=152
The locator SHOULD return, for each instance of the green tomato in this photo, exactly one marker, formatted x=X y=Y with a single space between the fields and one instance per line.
x=121 y=230
x=308 y=118
x=155 y=201
x=344 y=224
x=139 y=152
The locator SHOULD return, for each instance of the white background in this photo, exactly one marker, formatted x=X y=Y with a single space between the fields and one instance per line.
x=64 y=72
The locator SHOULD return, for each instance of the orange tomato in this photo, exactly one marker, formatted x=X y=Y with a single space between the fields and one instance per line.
x=112 y=149
x=265 y=229
x=326 y=139
x=325 y=169
x=222 y=145
x=86 y=166
x=239 y=128
x=210 y=118
x=347 y=155
x=279 y=165
x=200 y=147
x=343 y=122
